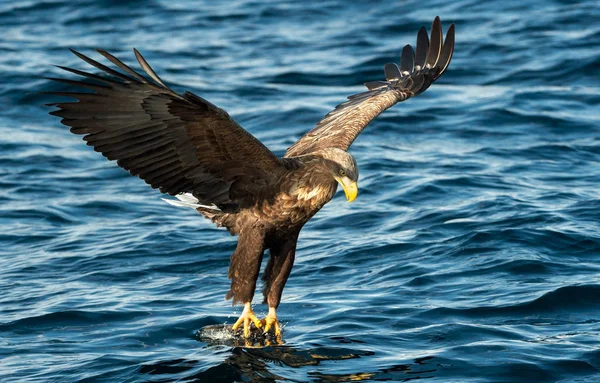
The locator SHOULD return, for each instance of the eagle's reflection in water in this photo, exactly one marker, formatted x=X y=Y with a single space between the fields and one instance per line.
x=260 y=358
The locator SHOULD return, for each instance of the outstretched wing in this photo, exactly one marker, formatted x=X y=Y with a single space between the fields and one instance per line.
x=177 y=143
x=416 y=73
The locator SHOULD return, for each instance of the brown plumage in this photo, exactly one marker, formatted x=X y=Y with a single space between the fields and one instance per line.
x=189 y=148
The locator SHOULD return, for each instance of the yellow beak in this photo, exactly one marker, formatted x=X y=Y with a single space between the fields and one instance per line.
x=350 y=188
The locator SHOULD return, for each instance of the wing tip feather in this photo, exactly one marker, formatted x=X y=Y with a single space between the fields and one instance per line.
x=148 y=69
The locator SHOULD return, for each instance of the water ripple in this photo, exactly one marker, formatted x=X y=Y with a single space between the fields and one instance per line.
x=471 y=254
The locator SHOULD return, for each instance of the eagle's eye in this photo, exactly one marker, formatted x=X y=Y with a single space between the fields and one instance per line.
x=342 y=173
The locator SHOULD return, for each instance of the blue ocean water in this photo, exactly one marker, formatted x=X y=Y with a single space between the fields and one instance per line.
x=472 y=253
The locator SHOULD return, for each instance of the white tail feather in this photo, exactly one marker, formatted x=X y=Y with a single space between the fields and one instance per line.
x=188 y=200
x=187 y=197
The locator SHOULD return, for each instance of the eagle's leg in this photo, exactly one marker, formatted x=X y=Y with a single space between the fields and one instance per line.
x=243 y=272
x=281 y=260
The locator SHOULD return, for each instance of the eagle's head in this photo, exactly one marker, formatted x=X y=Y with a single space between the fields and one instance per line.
x=343 y=169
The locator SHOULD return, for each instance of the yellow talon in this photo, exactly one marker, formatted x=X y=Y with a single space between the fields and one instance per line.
x=270 y=321
x=256 y=321
x=246 y=317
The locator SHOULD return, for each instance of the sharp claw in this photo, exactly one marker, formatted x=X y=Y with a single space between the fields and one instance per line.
x=237 y=324
x=267 y=327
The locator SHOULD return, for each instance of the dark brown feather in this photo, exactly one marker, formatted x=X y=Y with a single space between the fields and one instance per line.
x=422 y=47
x=282 y=252
x=177 y=143
x=244 y=265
